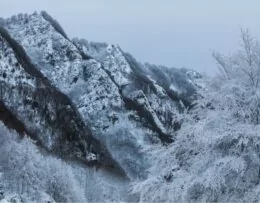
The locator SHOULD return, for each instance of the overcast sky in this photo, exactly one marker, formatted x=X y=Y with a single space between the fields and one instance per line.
x=180 y=33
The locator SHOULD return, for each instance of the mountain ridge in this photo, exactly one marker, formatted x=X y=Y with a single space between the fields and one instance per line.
x=68 y=95
x=107 y=71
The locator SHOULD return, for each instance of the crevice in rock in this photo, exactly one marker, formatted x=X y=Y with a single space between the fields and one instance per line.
x=165 y=138
x=130 y=104
x=55 y=24
x=11 y=122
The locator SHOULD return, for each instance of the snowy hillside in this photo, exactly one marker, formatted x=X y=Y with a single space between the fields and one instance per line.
x=86 y=122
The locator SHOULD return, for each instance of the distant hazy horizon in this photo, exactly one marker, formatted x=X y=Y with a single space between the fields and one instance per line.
x=168 y=32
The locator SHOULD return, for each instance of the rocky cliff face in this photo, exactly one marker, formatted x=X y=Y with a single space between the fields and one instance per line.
x=78 y=100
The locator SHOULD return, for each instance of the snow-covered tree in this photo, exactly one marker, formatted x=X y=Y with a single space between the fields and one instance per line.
x=33 y=175
x=245 y=64
x=237 y=88
x=215 y=155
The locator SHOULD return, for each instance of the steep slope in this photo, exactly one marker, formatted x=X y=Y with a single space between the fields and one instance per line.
x=47 y=113
x=100 y=91
x=140 y=88
x=85 y=101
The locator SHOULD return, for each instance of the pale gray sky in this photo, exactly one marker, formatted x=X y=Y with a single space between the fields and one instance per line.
x=169 y=32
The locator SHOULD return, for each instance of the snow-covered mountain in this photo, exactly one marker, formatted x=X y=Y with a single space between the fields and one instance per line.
x=89 y=103
x=85 y=121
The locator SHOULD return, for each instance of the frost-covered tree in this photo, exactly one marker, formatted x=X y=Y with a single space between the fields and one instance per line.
x=236 y=89
x=215 y=155
x=33 y=175
x=245 y=64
